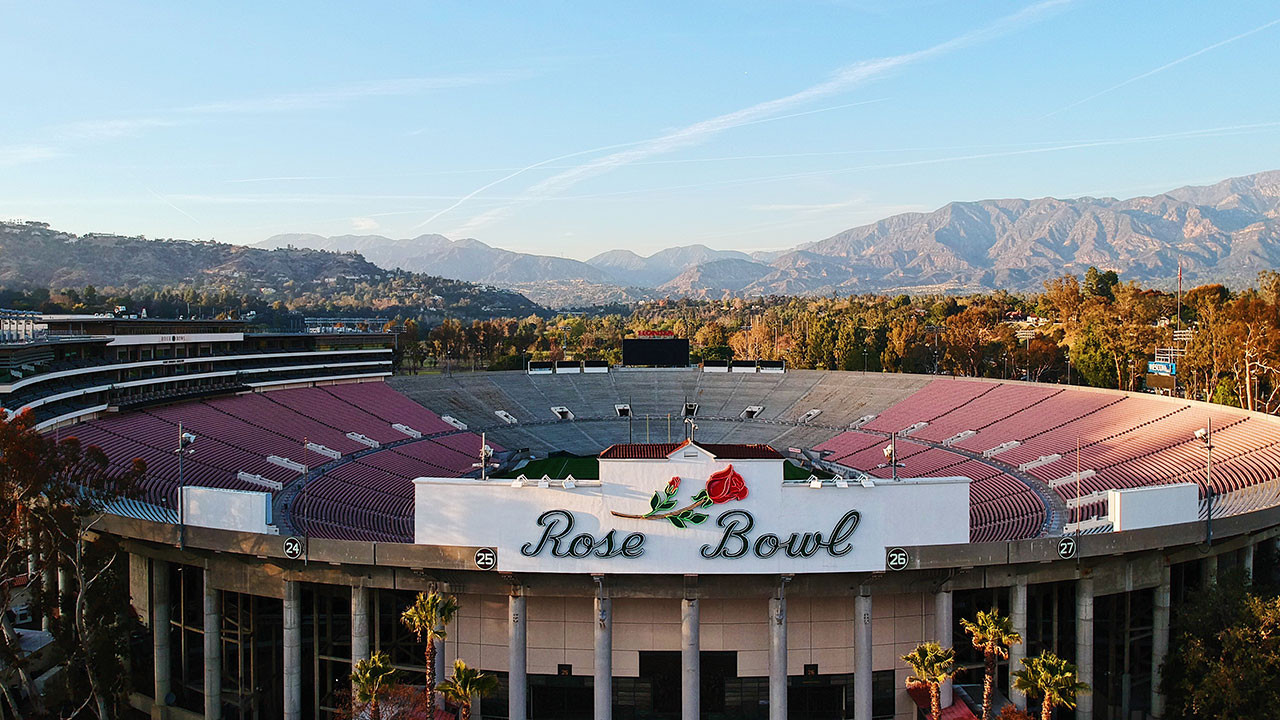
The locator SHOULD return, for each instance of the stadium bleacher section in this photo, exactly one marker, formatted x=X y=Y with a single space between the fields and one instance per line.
x=365 y=493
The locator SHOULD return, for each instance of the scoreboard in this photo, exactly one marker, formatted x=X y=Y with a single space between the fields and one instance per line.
x=653 y=350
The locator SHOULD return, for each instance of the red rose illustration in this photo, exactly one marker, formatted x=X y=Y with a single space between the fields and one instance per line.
x=673 y=485
x=726 y=485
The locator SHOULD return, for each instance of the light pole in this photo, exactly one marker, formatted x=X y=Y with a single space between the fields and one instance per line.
x=185 y=441
x=891 y=456
x=1205 y=436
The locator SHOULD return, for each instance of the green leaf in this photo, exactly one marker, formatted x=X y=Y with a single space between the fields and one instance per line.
x=655 y=501
x=701 y=496
x=696 y=518
x=675 y=520
x=667 y=505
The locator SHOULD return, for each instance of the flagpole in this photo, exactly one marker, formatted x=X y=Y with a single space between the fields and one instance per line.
x=1179 y=325
x=1079 y=515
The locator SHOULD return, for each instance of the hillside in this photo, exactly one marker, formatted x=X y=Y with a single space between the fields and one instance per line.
x=464 y=259
x=34 y=256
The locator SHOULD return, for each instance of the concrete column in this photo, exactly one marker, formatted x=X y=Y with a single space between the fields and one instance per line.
x=1018 y=613
x=212 y=650
x=1159 y=638
x=160 y=629
x=1084 y=644
x=690 y=661
x=49 y=586
x=604 y=659
x=1211 y=570
x=359 y=624
x=778 y=658
x=1248 y=562
x=64 y=585
x=140 y=586
x=292 y=645
x=943 y=621
x=517 y=696
x=862 y=658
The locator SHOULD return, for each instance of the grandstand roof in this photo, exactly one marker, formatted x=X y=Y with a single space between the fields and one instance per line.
x=658 y=451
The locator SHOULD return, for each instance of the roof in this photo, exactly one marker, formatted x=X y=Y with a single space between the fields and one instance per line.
x=661 y=451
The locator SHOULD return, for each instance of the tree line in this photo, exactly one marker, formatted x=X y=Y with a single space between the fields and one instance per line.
x=1093 y=330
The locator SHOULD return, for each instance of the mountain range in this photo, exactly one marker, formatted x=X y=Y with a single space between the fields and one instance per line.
x=1223 y=232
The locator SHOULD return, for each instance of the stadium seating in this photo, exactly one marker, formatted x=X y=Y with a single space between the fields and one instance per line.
x=366 y=493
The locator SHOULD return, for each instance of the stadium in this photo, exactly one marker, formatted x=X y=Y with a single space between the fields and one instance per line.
x=727 y=541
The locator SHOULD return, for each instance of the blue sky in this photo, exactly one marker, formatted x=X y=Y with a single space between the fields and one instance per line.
x=572 y=128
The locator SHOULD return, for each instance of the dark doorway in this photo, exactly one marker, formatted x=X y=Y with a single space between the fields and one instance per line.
x=560 y=697
x=815 y=699
x=660 y=671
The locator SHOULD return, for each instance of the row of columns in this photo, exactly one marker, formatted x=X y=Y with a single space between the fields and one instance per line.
x=690 y=647
x=162 y=651
x=690 y=657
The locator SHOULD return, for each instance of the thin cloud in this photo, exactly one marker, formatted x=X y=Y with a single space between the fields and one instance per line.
x=21 y=154
x=845 y=79
x=89 y=130
x=580 y=153
x=1162 y=68
x=1064 y=146
x=336 y=97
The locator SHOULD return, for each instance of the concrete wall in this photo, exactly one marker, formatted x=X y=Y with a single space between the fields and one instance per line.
x=238 y=510
x=1136 y=508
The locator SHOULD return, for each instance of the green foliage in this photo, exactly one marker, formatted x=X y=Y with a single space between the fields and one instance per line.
x=1225 y=654
x=992 y=633
x=372 y=676
x=1051 y=680
x=51 y=493
x=931 y=665
x=1100 y=284
x=1090 y=358
x=466 y=685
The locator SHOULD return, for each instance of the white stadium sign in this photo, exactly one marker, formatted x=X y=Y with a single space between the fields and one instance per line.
x=690 y=512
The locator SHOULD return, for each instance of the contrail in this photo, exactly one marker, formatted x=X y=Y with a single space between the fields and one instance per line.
x=1069 y=145
x=1164 y=67
x=527 y=168
x=844 y=79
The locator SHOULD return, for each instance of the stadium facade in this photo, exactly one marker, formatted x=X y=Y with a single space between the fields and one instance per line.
x=715 y=544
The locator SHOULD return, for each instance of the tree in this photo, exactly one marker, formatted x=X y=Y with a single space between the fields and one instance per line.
x=970 y=337
x=1225 y=655
x=992 y=633
x=372 y=677
x=1100 y=284
x=1051 y=680
x=932 y=665
x=427 y=618
x=1063 y=295
x=51 y=494
x=466 y=685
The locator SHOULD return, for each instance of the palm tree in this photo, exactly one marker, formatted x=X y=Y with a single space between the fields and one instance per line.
x=371 y=677
x=992 y=633
x=427 y=618
x=1050 y=679
x=466 y=685
x=932 y=665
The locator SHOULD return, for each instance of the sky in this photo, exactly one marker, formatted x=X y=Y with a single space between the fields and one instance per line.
x=571 y=128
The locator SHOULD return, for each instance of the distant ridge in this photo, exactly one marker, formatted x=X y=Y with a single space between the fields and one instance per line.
x=1224 y=232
